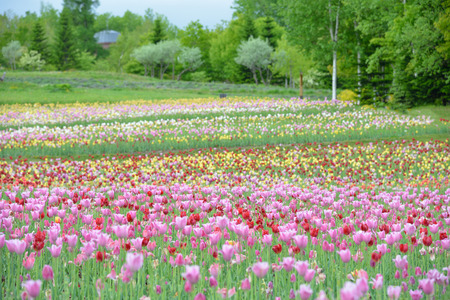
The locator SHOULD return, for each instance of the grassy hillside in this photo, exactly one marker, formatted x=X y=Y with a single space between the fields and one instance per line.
x=70 y=87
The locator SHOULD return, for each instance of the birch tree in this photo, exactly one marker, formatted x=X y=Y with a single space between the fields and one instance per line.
x=315 y=25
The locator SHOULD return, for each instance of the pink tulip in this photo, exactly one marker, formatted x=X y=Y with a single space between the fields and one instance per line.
x=179 y=260
x=362 y=286
x=47 y=272
x=309 y=275
x=345 y=255
x=214 y=238
x=410 y=229
x=71 y=240
x=305 y=291
x=416 y=294
x=28 y=261
x=2 y=240
x=301 y=267
x=188 y=286
x=288 y=263
x=134 y=261
x=200 y=297
x=349 y=291
x=377 y=282
x=301 y=241
x=401 y=263
x=394 y=292
x=260 y=269
x=55 y=251
x=121 y=231
x=192 y=274
x=33 y=288
x=267 y=239
x=322 y=296
x=444 y=243
x=245 y=284
x=214 y=270
x=427 y=286
x=16 y=246
x=212 y=282
x=180 y=223
x=227 y=252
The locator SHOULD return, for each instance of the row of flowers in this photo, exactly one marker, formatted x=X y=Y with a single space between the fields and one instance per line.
x=216 y=131
x=380 y=165
x=314 y=238
x=16 y=115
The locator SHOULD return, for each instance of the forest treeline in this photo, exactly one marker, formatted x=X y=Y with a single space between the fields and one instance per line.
x=378 y=51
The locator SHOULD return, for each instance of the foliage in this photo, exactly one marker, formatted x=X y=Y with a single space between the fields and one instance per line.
x=255 y=54
x=12 y=52
x=39 y=41
x=443 y=24
x=190 y=58
x=65 y=48
x=83 y=18
x=347 y=95
x=147 y=56
x=158 y=34
x=31 y=60
x=86 y=61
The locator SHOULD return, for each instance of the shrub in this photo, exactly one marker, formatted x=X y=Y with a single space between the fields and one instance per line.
x=347 y=95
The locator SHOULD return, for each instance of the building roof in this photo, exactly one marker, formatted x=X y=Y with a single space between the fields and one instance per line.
x=106 y=36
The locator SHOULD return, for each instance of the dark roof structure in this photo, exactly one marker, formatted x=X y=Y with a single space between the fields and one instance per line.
x=106 y=36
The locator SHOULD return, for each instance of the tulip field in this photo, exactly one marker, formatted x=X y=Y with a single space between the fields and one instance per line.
x=212 y=199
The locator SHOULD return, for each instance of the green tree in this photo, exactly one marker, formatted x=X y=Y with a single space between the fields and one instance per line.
x=315 y=25
x=267 y=32
x=195 y=35
x=256 y=8
x=166 y=52
x=255 y=54
x=290 y=61
x=157 y=34
x=39 y=41
x=12 y=52
x=421 y=73
x=147 y=56
x=224 y=43
x=443 y=24
x=31 y=61
x=190 y=59
x=65 y=48
x=83 y=17
x=248 y=29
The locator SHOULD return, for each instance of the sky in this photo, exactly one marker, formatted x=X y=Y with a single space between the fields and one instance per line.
x=179 y=12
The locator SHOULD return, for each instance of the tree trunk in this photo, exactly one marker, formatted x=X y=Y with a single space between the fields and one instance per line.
x=182 y=72
x=358 y=58
x=153 y=71
x=285 y=81
x=146 y=70
x=334 y=84
x=262 y=77
x=255 y=77
x=291 y=82
x=173 y=70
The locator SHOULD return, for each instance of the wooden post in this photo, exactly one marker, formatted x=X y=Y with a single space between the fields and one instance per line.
x=301 y=85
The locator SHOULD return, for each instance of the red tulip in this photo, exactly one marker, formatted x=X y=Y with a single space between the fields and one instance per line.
x=277 y=248
x=403 y=248
x=427 y=240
